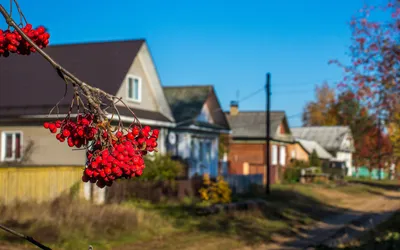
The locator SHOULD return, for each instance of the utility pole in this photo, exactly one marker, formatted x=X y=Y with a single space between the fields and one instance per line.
x=267 y=121
x=379 y=147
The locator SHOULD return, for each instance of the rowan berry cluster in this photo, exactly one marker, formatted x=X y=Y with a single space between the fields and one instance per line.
x=12 y=42
x=76 y=133
x=110 y=156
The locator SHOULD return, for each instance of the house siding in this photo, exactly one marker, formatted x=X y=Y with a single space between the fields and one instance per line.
x=253 y=154
x=300 y=153
x=148 y=100
x=46 y=149
x=188 y=147
x=348 y=158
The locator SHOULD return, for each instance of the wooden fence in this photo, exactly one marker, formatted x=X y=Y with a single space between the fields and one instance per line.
x=243 y=183
x=153 y=191
x=38 y=184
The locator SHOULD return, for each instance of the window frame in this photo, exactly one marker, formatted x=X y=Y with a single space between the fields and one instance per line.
x=13 y=146
x=134 y=77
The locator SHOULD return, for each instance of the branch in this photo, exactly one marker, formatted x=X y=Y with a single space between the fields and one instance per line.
x=88 y=91
x=28 y=238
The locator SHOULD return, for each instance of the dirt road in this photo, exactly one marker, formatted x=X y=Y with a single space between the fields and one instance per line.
x=340 y=229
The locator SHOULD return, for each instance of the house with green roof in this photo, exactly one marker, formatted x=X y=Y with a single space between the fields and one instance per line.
x=199 y=121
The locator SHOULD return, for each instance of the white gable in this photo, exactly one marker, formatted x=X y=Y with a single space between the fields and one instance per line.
x=205 y=115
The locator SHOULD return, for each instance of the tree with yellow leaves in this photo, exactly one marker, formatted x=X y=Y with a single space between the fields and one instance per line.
x=321 y=112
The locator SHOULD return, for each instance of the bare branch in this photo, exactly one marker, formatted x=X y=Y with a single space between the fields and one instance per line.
x=28 y=238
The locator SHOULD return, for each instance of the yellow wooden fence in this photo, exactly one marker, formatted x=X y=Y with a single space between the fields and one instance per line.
x=38 y=184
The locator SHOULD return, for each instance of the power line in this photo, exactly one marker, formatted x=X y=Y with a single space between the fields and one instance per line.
x=252 y=94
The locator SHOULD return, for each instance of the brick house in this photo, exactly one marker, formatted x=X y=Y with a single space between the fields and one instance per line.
x=247 y=146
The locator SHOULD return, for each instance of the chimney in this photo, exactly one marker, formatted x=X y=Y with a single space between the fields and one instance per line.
x=234 y=108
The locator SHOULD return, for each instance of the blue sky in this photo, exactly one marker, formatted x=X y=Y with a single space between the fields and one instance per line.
x=229 y=44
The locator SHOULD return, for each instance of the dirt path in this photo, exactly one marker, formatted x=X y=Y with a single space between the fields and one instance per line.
x=340 y=229
x=360 y=211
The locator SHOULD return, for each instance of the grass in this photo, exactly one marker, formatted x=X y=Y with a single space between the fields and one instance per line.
x=71 y=224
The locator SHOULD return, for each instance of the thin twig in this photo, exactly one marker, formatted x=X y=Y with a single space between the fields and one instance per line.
x=28 y=238
x=21 y=15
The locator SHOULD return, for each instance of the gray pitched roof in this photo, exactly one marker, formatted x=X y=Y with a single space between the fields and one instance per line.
x=329 y=137
x=186 y=103
x=29 y=84
x=309 y=146
x=252 y=124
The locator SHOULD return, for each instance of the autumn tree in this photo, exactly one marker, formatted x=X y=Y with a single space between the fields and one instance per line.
x=350 y=112
x=346 y=110
x=394 y=135
x=373 y=154
x=321 y=111
x=373 y=74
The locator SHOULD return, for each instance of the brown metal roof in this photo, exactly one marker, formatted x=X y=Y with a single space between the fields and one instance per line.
x=30 y=85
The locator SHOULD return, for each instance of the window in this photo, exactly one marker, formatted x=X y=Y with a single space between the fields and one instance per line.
x=134 y=90
x=201 y=155
x=11 y=146
x=293 y=154
x=282 y=156
x=274 y=155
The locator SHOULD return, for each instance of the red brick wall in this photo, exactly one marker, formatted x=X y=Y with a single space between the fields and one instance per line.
x=254 y=154
x=241 y=152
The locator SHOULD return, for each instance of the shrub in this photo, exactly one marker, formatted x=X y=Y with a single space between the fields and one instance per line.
x=292 y=175
x=299 y=164
x=161 y=168
x=215 y=192
x=314 y=159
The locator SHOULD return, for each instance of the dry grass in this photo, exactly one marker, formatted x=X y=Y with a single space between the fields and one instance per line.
x=69 y=224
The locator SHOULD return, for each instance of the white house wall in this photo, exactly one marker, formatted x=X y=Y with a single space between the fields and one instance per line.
x=152 y=94
x=188 y=148
x=348 y=158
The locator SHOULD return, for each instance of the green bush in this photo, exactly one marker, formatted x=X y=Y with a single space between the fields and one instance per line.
x=161 y=168
x=314 y=159
x=292 y=175
x=299 y=164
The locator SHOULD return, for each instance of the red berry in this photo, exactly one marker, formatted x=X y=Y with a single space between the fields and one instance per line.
x=107 y=171
x=155 y=132
x=41 y=30
x=121 y=157
x=46 y=125
x=100 y=184
x=94 y=164
x=139 y=172
x=130 y=136
x=88 y=172
x=85 y=178
x=80 y=132
x=52 y=126
x=66 y=133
